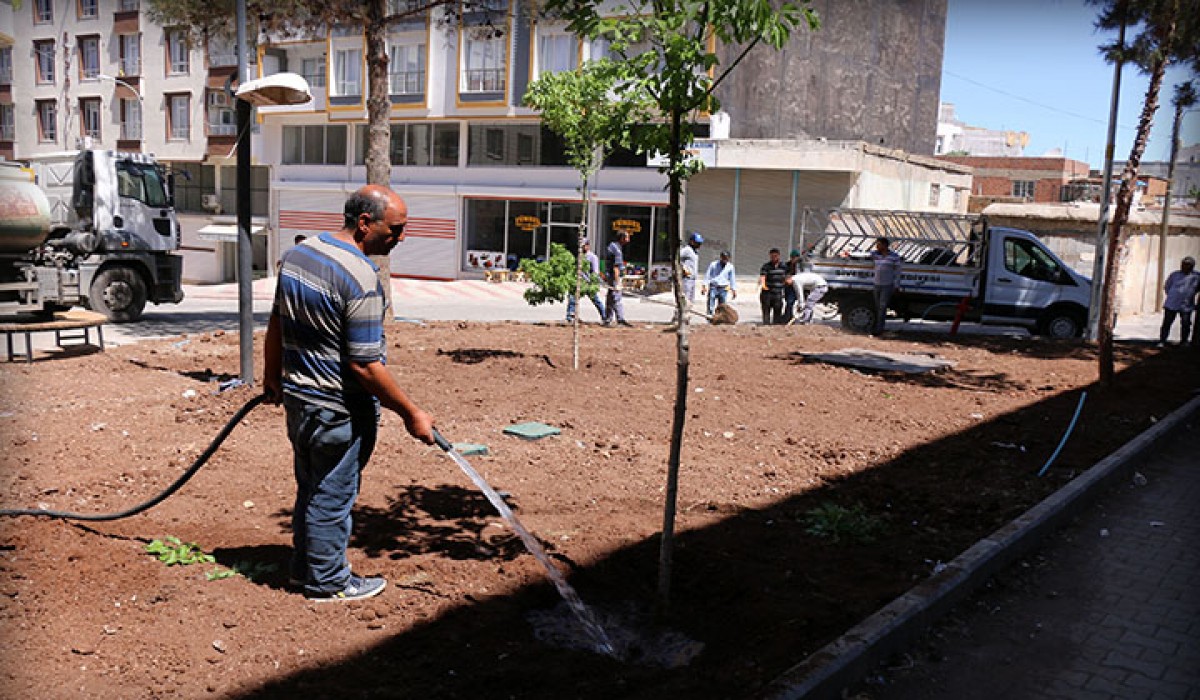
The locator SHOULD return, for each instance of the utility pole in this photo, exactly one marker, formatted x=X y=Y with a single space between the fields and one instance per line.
x=1093 y=326
x=1185 y=96
x=245 y=250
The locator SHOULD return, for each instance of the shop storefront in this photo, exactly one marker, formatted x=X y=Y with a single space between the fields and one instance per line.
x=500 y=233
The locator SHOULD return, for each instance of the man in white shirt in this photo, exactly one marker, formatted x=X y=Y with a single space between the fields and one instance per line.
x=1181 y=288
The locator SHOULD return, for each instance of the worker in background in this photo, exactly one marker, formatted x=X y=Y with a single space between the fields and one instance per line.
x=325 y=361
x=614 y=258
x=589 y=272
x=887 y=279
x=770 y=286
x=1181 y=288
x=810 y=288
x=720 y=281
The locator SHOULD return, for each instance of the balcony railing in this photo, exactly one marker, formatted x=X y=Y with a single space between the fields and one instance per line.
x=128 y=6
x=181 y=133
x=483 y=80
x=7 y=132
x=131 y=131
x=6 y=75
x=131 y=67
x=222 y=129
x=222 y=58
x=406 y=82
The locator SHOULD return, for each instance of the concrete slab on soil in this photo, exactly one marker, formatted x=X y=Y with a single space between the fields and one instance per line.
x=879 y=361
x=468 y=449
x=531 y=430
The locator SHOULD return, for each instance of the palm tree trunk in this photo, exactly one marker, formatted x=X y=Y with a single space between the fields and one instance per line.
x=1116 y=241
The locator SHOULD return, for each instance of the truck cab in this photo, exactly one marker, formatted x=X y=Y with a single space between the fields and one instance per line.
x=1025 y=284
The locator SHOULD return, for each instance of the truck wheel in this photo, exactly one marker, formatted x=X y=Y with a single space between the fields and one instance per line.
x=1061 y=324
x=118 y=293
x=858 y=315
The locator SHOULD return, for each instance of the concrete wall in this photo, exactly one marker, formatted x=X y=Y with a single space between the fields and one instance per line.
x=871 y=73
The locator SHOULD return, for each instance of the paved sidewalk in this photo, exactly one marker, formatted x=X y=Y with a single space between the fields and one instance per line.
x=1108 y=608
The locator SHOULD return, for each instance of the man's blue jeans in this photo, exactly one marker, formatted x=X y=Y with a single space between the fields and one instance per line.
x=716 y=296
x=330 y=450
x=595 y=300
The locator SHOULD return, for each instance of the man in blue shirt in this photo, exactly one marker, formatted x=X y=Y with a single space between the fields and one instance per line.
x=325 y=361
x=721 y=281
x=1181 y=288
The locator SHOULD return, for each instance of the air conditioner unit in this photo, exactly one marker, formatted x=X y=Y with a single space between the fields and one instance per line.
x=211 y=202
x=218 y=99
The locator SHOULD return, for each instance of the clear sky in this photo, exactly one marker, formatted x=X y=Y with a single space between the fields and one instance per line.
x=1034 y=66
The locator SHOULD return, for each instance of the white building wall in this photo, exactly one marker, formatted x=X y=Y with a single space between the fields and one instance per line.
x=69 y=86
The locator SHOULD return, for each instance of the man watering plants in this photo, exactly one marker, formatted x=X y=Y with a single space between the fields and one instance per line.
x=325 y=361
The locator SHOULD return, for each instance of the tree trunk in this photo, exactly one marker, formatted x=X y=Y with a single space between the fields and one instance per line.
x=578 y=273
x=681 y=370
x=379 y=134
x=1120 y=217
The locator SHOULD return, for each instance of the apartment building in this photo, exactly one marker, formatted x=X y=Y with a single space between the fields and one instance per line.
x=1024 y=179
x=100 y=74
x=487 y=184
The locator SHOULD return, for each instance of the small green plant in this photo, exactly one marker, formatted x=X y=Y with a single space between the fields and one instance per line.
x=172 y=551
x=554 y=279
x=251 y=570
x=837 y=523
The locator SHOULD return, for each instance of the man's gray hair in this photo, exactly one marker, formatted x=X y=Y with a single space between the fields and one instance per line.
x=361 y=203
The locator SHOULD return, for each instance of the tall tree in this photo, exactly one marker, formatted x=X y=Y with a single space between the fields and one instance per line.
x=577 y=106
x=667 y=52
x=1165 y=32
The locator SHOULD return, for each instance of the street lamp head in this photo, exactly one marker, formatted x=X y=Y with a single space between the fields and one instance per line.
x=276 y=90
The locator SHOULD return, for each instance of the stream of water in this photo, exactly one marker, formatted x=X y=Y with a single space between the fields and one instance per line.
x=602 y=643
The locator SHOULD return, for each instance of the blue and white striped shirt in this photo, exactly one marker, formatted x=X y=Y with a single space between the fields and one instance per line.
x=330 y=305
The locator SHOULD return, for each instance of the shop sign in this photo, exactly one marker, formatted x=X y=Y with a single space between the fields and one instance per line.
x=627 y=225
x=528 y=223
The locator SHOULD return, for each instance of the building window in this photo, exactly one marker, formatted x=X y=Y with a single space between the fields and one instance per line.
x=1023 y=188
x=179 y=124
x=89 y=117
x=415 y=144
x=131 y=120
x=406 y=69
x=130 y=5
x=89 y=57
x=314 y=145
x=44 y=53
x=177 y=52
x=935 y=194
x=483 y=64
x=87 y=9
x=131 y=54
x=6 y=123
x=6 y=65
x=347 y=72
x=43 y=11
x=47 y=111
x=557 y=52
x=502 y=233
x=313 y=70
x=222 y=119
x=514 y=144
x=222 y=51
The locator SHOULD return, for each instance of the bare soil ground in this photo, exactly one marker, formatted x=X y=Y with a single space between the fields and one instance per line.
x=936 y=460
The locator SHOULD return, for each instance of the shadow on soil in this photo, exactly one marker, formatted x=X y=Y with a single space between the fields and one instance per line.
x=165 y=324
x=758 y=588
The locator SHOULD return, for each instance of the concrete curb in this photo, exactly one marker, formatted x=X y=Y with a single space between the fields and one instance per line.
x=849 y=658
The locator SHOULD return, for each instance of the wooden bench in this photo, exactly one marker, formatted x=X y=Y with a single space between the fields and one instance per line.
x=74 y=325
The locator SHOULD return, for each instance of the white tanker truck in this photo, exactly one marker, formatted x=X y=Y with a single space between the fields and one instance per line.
x=91 y=227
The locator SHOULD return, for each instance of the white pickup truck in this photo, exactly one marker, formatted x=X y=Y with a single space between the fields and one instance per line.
x=996 y=276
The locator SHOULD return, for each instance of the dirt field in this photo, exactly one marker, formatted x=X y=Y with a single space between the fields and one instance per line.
x=931 y=463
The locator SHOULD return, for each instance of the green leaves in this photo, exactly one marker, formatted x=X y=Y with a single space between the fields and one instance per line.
x=554 y=279
x=839 y=523
x=174 y=552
